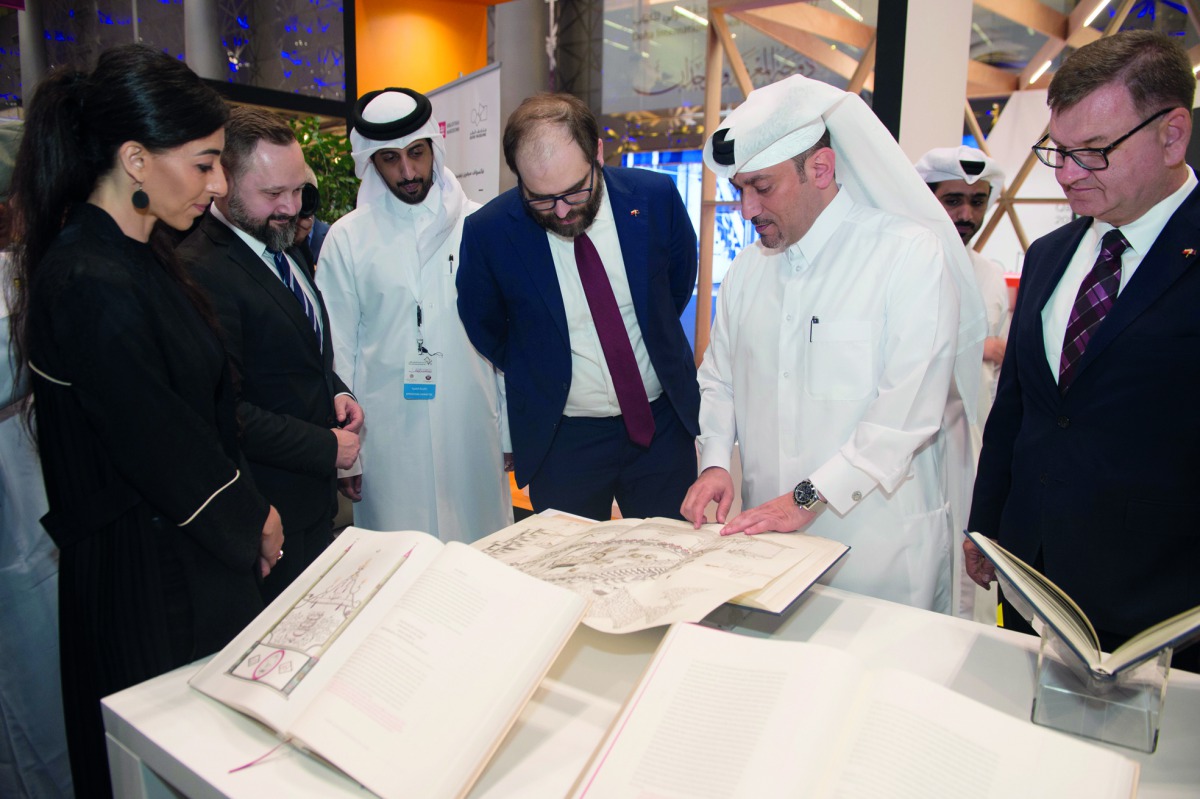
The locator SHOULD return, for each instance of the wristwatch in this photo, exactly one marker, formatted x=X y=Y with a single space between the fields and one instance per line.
x=805 y=495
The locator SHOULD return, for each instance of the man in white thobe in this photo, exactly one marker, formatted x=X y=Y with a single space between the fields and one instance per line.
x=434 y=451
x=966 y=181
x=837 y=344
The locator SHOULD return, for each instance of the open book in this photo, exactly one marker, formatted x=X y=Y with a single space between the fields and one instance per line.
x=640 y=573
x=718 y=714
x=1053 y=607
x=399 y=660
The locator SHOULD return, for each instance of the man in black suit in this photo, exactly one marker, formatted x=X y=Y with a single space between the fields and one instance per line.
x=299 y=420
x=1089 y=465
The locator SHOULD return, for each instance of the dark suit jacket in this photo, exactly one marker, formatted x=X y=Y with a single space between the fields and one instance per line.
x=287 y=383
x=512 y=308
x=316 y=237
x=1105 y=482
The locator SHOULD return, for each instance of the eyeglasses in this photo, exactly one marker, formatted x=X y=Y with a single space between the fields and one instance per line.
x=1092 y=159
x=576 y=197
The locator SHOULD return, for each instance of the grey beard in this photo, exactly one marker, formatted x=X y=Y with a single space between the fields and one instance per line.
x=277 y=239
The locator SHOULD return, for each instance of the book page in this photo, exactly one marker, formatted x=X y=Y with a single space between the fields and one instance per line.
x=719 y=714
x=723 y=715
x=1177 y=631
x=422 y=703
x=639 y=573
x=1047 y=600
x=909 y=738
x=820 y=555
x=274 y=667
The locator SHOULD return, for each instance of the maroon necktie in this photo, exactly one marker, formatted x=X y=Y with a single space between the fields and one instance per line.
x=614 y=340
x=1096 y=296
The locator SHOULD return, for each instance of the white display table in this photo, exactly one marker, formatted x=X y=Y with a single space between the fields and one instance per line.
x=166 y=739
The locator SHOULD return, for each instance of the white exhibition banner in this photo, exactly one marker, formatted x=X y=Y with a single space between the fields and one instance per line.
x=468 y=111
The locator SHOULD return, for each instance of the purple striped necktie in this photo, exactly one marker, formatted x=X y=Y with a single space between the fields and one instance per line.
x=1096 y=296
x=614 y=340
x=291 y=281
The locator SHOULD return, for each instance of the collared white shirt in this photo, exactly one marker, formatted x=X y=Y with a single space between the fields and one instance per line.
x=592 y=392
x=1141 y=235
x=268 y=258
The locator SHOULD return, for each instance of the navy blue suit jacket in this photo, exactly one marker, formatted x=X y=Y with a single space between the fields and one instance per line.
x=512 y=308
x=1105 y=481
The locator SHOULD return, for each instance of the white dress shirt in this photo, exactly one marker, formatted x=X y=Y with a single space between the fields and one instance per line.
x=1141 y=235
x=592 y=392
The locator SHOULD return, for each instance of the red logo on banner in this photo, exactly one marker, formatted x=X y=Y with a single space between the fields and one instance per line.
x=442 y=129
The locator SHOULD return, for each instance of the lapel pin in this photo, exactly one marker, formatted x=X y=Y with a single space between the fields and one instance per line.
x=1189 y=252
x=634 y=212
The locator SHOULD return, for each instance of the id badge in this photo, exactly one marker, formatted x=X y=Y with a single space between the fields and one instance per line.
x=420 y=379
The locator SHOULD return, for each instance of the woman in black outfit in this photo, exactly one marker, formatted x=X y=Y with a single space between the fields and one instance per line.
x=161 y=531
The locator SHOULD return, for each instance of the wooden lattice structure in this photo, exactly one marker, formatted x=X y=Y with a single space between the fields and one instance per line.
x=806 y=28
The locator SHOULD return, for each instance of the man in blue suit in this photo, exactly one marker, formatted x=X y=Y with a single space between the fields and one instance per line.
x=572 y=283
x=1089 y=465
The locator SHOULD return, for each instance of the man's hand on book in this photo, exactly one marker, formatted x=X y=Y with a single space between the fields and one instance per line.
x=979 y=568
x=713 y=485
x=779 y=515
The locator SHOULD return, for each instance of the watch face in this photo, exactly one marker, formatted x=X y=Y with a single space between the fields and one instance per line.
x=805 y=494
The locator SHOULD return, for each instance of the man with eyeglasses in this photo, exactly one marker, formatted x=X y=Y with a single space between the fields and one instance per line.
x=1089 y=465
x=434 y=451
x=572 y=283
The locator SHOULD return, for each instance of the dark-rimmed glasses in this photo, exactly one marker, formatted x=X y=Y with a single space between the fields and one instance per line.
x=573 y=197
x=1092 y=159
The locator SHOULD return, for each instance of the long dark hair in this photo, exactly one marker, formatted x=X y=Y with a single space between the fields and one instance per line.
x=73 y=128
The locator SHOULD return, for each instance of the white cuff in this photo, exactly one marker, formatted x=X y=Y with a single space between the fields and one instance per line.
x=841 y=484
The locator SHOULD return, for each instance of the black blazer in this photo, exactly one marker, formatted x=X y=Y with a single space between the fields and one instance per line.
x=287 y=383
x=1105 y=482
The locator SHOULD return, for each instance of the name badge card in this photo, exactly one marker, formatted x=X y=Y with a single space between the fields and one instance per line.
x=420 y=379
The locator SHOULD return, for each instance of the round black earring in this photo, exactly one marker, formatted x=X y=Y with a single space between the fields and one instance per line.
x=140 y=199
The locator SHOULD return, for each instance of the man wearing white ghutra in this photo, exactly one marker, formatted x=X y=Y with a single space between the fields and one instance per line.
x=436 y=447
x=839 y=358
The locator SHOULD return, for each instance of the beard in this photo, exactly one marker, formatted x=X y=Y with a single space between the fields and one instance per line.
x=965 y=230
x=275 y=237
x=772 y=241
x=412 y=192
x=578 y=220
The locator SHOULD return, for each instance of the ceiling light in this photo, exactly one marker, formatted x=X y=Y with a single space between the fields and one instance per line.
x=683 y=12
x=849 y=11
x=1040 y=71
x=1092 y=16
